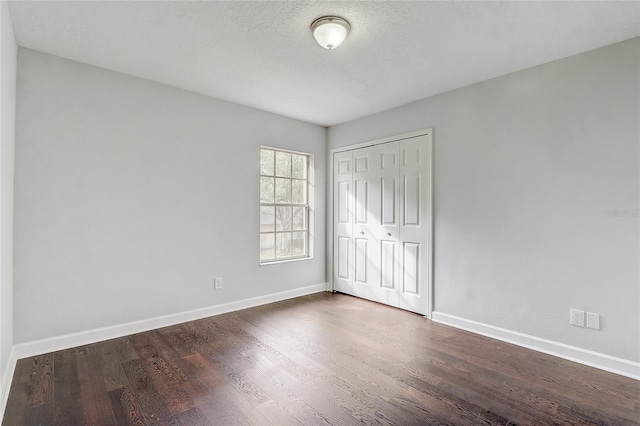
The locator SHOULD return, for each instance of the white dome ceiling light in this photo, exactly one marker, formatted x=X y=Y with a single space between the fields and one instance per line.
x=330 y=31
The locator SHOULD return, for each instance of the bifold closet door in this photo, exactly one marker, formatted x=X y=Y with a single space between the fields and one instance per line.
x=343 y=222
x=415 y=223
x=363 y=244
x=384 y=222
x=368 y=232
x=366 y=223
x=381 y=223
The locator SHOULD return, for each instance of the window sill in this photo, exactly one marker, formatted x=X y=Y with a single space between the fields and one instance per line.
x=276 y=262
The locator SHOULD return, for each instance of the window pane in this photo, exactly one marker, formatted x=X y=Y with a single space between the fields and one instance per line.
x=299 y=244
x=267 y=246
x=284 y=209
x=299 y=218
x=267 y=219
x=299 y=166
x=266 y=190
x=266 y=162
x=299 y=191
x=283 y=218
x=283 y=245
x=283 y=191
x=283 y=164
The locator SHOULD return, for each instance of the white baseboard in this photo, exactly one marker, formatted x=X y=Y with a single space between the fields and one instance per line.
x=5 y=381
x=38 y=347
x=583 y=356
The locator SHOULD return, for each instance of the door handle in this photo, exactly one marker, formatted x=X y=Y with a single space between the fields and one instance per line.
x=361 y=232
x=388 y=234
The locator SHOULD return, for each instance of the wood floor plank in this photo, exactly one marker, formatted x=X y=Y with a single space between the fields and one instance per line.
x=152 y=405
x=217 y=398
x=241 y=411
x=433 y=389
x=17 y=399
x=40 y=389
x=212 y=408
x=460 y=382
x=68 y=406
x=322 y=359
x=192 y=417
x=40 y=415
x=540 y=399
x=256 y=396
x=96 y=403
x=126 y=407
x=113 y=353
x=169 y=386
x=460 y=412
x=307 y=411
x=16 y=405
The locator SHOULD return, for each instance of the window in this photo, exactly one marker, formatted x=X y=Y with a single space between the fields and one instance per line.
x=284 y=205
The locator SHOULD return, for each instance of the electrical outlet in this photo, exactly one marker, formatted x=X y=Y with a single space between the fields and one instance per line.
x=577 y=318
x=593 y=320
x=217 y=283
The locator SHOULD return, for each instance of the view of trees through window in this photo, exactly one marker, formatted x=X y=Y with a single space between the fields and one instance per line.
x=284 y=208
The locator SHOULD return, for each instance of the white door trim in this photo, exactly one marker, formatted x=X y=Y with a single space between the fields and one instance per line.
x=330 y=230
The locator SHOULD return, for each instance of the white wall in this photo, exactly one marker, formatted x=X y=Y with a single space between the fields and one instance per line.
x=525 y=167
x=132 y=196
x=8 y=51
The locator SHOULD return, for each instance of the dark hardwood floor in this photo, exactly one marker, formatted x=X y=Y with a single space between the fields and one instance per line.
x=319 y=359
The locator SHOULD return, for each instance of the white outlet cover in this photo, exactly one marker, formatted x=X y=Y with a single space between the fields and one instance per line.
x=593 y=320
x=217 y=283
x=577 y=318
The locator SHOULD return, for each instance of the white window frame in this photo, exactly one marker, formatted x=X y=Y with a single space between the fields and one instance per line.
x=309 y=207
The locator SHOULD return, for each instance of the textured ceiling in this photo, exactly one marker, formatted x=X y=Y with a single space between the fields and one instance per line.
x=262 y=54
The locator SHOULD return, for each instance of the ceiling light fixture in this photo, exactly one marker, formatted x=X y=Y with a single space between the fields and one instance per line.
x=330 y=31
